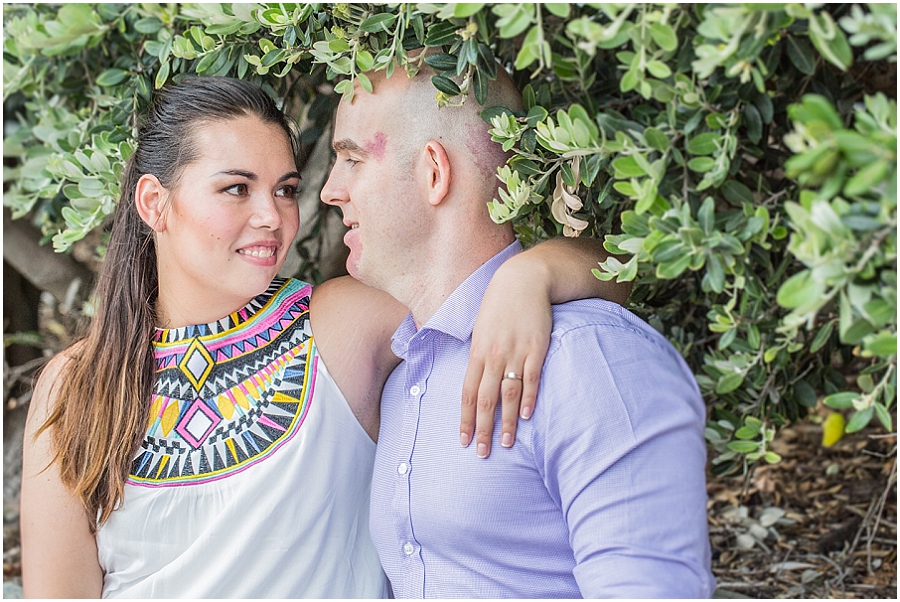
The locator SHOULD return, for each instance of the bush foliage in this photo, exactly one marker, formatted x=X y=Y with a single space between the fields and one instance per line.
x=743 y=157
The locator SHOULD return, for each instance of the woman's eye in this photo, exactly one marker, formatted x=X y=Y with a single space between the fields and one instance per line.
x=289 y=192
x=237 y=190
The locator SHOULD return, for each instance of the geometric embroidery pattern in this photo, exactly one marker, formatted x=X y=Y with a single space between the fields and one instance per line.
x=231 y=393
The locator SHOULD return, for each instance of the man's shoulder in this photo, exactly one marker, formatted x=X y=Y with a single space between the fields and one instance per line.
x=594 y=332
x=597 y=317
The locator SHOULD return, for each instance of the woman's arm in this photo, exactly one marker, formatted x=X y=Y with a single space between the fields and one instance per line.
x=512 y=331
x=59 y=552
x=352 y=325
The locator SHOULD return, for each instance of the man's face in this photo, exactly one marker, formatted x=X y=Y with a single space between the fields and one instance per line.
x=373 y=183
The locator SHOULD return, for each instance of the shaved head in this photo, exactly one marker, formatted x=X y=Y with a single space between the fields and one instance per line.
x=460 y=129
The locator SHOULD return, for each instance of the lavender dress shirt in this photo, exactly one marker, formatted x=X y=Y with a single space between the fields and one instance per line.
x=603 y=494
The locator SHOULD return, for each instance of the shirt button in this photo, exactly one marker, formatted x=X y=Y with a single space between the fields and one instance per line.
x=415 y=390
x=403 y=468
x=408 y=549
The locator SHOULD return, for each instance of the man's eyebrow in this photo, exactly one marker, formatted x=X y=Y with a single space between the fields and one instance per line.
x=349 y=145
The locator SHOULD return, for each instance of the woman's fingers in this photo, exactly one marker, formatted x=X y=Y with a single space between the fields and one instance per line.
x=471 y=384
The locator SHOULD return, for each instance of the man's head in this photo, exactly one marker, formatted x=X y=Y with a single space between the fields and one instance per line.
x=413 y=180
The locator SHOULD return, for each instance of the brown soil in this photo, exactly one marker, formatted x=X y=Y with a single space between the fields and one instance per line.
x=820 y=524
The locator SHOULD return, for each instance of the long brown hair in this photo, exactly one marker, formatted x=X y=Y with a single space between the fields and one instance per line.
x=104 y=392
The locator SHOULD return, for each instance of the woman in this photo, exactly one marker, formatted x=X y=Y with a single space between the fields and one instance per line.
x=224 y=459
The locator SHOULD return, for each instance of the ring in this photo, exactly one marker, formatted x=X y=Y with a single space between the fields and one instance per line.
x=512 y=375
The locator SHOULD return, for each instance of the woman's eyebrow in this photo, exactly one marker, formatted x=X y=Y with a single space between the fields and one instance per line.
x=252 y=176
x=290 y=175
x=236 y=172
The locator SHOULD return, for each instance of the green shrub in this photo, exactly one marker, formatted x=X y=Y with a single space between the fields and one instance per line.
x=743 y=157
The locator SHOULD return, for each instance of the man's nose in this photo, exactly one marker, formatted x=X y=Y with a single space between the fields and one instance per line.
x=332 y=193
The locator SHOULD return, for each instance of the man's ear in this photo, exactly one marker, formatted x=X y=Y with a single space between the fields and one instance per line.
x=437 y=166
x=150 y=199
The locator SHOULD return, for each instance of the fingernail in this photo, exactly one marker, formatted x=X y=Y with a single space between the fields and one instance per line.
x=526 y=412
x=506 y=441
x=482 y=450
x=464 y=439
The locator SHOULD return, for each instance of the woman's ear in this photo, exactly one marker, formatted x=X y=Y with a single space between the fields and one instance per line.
x=150 y=198
x=437 y=168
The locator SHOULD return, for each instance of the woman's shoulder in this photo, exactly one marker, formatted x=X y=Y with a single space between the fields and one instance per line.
x=46 y=387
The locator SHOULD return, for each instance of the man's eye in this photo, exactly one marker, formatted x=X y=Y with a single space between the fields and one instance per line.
x=289 y=192
x=352 y=162
x=237 y=189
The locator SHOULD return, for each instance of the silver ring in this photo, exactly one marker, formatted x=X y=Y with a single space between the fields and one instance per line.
x=512 y=375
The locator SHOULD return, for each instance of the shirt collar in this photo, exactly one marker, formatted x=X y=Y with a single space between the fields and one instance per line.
x=456 y=316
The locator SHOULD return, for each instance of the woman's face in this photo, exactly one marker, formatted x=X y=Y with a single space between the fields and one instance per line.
x=229 y=221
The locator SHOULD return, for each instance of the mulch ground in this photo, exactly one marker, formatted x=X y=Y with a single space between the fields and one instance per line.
x=820 y=524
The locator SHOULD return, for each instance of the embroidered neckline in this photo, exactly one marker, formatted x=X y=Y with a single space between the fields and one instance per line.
x=232 y=320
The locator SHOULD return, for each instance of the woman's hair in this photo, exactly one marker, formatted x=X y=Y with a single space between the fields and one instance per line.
x=103 y=401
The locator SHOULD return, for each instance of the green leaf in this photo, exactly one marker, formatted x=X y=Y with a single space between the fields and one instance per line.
x=441 y=61
x=441 y=34
x=800 y=289
x=701 y=164
x=737 y=193
x=445 y=85
x=830 y=41
x=866 y=178
x=111 y=77
x=659 y=69
x=627 y=167
x=162 y=75
x=464 y=10
x=772 y=458
x=365 y=82
x=656 y=139
x=148 y=25
x=664 y=36
x=364 y=60
x=805 y=394
x=672 y=269
x=800 y=52
x=224 y=29
x=743 y=447
x=884 y=417
x=379 y=22
x=486 y=61
x=704 y=144
x=745 y=432
x=729 y=382
x=480 y=86
x=884 y=344
x=840 y=401
x=860 y=420
x=822 y=336
x=753 y=121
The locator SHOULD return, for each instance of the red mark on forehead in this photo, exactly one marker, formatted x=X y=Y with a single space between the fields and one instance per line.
x=376 y=147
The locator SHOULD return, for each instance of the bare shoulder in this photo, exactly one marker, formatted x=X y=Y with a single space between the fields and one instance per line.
x=352 y=324
x=43 y=399
x=345 y=307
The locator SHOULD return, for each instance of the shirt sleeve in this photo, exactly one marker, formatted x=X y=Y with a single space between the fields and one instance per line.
x=618 y=436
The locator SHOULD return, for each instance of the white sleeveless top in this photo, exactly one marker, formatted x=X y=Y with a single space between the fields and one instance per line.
x=253 y=478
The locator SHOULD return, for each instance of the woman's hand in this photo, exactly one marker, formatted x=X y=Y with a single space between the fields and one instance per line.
x=512 y=332
x=509 y=342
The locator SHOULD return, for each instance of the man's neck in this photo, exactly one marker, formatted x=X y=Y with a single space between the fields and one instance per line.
x=424 y=293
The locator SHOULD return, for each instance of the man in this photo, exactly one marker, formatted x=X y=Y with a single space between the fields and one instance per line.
x=603 y=494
